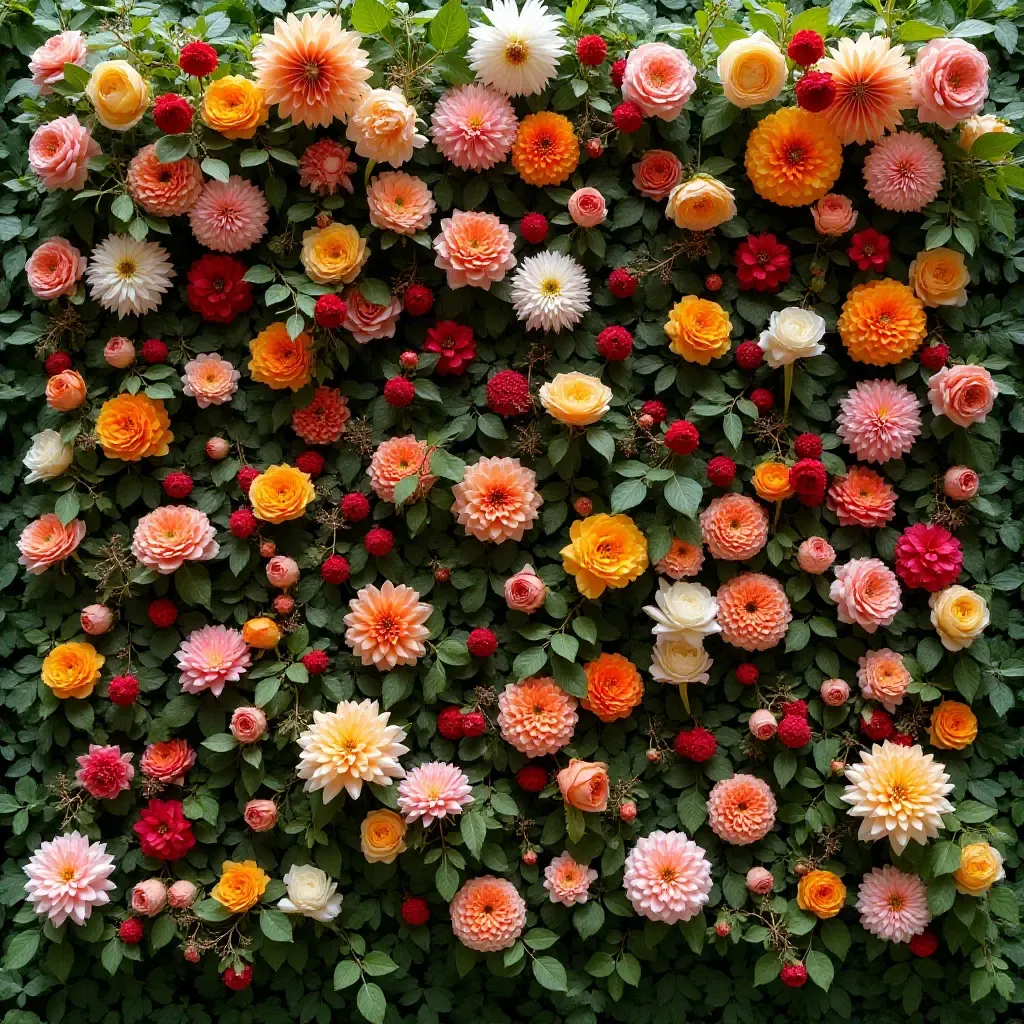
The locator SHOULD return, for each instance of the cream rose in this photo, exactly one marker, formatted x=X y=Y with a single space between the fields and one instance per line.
x=762 y=724
x=48 y=457
x=753 y=70
x=959 y=616
x=684 y=611
x=576 y=399
x=981 y=124
x=677 y=662
x=792 y=334
x=118 y=93
x=700 y=204
x=981 y=866
x=940 y=277
x=383 y=127
x=310 y=893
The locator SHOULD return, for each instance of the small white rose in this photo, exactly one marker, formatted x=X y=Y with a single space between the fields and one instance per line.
x=677 y=662
x=792 y=334
x=310 y=893
x=48 y=457
x=684 y=611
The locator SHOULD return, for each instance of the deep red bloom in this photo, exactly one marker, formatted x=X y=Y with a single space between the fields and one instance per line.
x=747 y=674
x=721 y=471
x=655 y=409
x=878 y=726
x=311 y=462
x=807 y=446
x=815 y=91
x=237 y=981
x=763 y=399
x=316 y=662
x=696 y=744
x=415 y=911
x=456 y=345
x=534 y=228
x=124 y=690
x=173 y=114
x=869 y=249
x=334 y=569
x=794 y=732
x=793 y=975
x=806 y=47
x=482 y=643
x=621 y=283
x=474 y=723
x=762 y=263
x=928 y=556
x=245 y=477
x=217 y=290
x=379 y=541
x=614 y=343
x=177 y=485
x=532 y=778
x=795 y=707
x=163 y=612
x=628 y=117
x=682 y=437
x=198 y=59
x=508 y=393
x=808 y=478
x=153 y=351
x=399 y=391
x=749 y=356
x=163 y=830
x=583 y=506
x=618 y=72
x=355 y=507
x=131 y=931
x=924 y=944
x=329 y=311
x=934 y=357
x=449 y=723
x=591 y=51
x=242 y=523
x=713 y=282
x=56 y=363
x=417 y=300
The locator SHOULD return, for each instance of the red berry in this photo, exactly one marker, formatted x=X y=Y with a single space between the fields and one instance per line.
x=924 y=944
x=532 y=778
x=242 y=524
x=57 y=363
x=415 y=911
x=379 y=541
x=474 y=723
x=591 y=51
x=198 y=59
x=173 y=114
x=534 y=228
x=763 y=399
x=177 y=485
x=583 y=506
x=618 y=72
x=354 y=507
x=793 y=975
x=655 y=409
x=614 y=343
x=329 y=311
x=530 y=858
x=627 y=811
x=399 y=391
x=806 y=47
x=934 y=357
x=482 y=643
x=682 y=438
x=749 y=355
x=284 y=604
x=628 y=118
x=696 y=744
x=713 y=282
x=876 y=724
x=245 y=477
x=795 y=707
x=450 y=724
x=123 y=690
x=417 y=300
x=311 y=462
x=807 y=446
x=409 y=360
x=722 y=929
x=794 y=732
x=747 y=674
x=267 y=549
x=316 y=662
x=508 y=393
x=238 y=980
x=130 y=931
x=163 y=612
x=721 y=471
x=335 y=569
x=153 y=351
x=902 y=739
x=442 y=574
x=594 y=148
x=621 y=283
x=815 y=92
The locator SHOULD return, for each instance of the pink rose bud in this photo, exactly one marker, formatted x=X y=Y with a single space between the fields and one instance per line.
x=835 y=692
x=760 y=881
x=833 y=215
x=97 y=619
x=181 y=894
x=960 y=483
x=149 y=897
x=587 y=207
x=525 y=592
x=815 y=555
x=282 y=572
x=217 y=448
x=762 y=724
x=260 y=815
x=119 y=353
x=248 y=724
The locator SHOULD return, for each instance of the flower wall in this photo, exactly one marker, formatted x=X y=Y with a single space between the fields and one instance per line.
x=508 y=506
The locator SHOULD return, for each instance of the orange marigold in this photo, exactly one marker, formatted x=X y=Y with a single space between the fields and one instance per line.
x=133 y=427
x=753 y=611
x=546 y=150
x=280 y=361
x=614 y=687
x=882 y=323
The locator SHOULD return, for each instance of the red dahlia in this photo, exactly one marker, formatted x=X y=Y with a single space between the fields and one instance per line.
x=354 y=507
x=177 y=485
x=163 y=830
x=173 y=114
x=749 y=356
x=334 y=569
x=316 y=662
x=869 y=249
x=237 y=981
x=614 y=343
x=417 y=300
x=815 y=91
x=532 y=778
x=508 y=393
x=806 y=48
x=399 y=391
x=217 y=290
x=762 y=263
x=807 y=446
x=415 y=911
x=124 y=690
x=682 y=438
x=928 y=557
x=482 y=643
x=56 y=363
x=534 y=228
x=311 y=462
x=721 y=471
x=154 y=351
x=628 y=117
x=902 y=739
x=455 y=345
x=163 y=612
x=696 y=744
x=329 y=311
x=198 y=59
x=242 y=523
x=379 y=541
x=591 y=51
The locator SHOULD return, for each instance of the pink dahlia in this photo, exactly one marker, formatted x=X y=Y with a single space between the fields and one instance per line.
x=67 y=877
x=210 y=657
x=399 y=202
x=741 y=809
x=171 y=535
x=325 y=167
x=497 y=500
x=474 y=127
x=928 y=556
x=879 y=420
x=433 y=791
x=368 y=321
x=104 y=772
x=229 y=216
x=867 y=593
x=862 y=498
x=488 y=914
x=323 y=420
x=882 y=676
x=950 y=82
x=474 y=249
x=536 y=716
x=568 y=882
x=667 y=877
x=893 y=904
x=904 y=172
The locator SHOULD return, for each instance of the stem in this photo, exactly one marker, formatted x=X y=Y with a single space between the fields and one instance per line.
x=787 y=387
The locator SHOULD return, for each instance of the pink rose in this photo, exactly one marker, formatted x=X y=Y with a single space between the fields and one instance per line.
x=760 y=881
x=526 y=591
x=368 y=321
x=260 y=815
x=584 y=785
x=168 y=761
x=54 y=269
x=182 y=894
x=587 y=207
x=835 y=692
x=964 y=394
x=867 y=593
x=282 y=572
x=659 y=80
x=960 y=483
x=833 y=215
x=950 y=81
x=97 y=619
x=149 y=897
x=47 y=63
x=59 y=152
x=762 y=724
x=656 y=173
x=815 y=555
x=218 y=448
x=248 y=724
x=119 y=353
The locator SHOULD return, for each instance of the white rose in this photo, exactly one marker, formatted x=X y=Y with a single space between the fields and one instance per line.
x=676 y=661
x=792 y=334
x=48 y=457
x=311 y=893
x=685 y=611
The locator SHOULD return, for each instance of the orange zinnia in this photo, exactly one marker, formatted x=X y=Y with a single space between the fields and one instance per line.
x=614 y=687
x=882 y=323
x=546 y=150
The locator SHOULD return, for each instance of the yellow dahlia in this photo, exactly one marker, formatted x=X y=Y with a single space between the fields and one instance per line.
x=882 y=322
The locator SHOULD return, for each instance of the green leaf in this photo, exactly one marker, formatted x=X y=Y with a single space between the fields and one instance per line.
x=819 y=968
x=276 y=925
x=377 y=964
x=406 y=488
x=67 y=507
x=21 y=950
x=995 y=145
x=814 y=19
x=112 y=954
x=918 y=32
x=474 y=831
x=941 y=895
x=449 y=26
x=446 y=881
x=370 y=17
x=371 y=1002
x=565 y=646
x=692 y=809
x=550 y=974
x=192 y=581
x=374 y=290
x=836 y=937
x=173 y=147
x=220 y=742
x=575 y=823
x=628 y=494
x=684 y=495
x=945 y=857
x=123 y=207
x=588 y=919
x=77 y=77
x=767 y=969
x=163 y=931
x=216 y=169
x=346 y=974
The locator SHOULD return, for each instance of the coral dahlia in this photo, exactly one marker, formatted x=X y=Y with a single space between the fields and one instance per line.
x=753 y=611
x=741 y=809
x=497 y=500
x=487 y=913
x=536 y=716
x=386 y=627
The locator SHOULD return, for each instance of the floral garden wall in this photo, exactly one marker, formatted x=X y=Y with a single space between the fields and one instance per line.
x=511 y=512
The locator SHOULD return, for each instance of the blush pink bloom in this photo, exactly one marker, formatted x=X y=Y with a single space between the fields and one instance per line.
x=167 y=762
x=835 y=692
x=248 y=725
x=210 y=657
x=867 y=593
x=862 y=498
x=893 y=904
x=59 y=153
x=54 y=269
x=148 y=898
x=182 y=894
x=497 y=500
x=325 y=167
x=282 y=572
x=741 y=809
x=383 y=127
x=96 y=619
x=385 y=626
x=567 y=882
x=525 y=591
x=474 y=127
x=879 y=420
x=104 y=772
x=960 y=483
x=760 y=881
x=584 y=785
x=833 y=215
x=659 y=79
x=394 y=460
x=399 y=202
x=667 y=877
x=229 y=216
x=260 y=815
x=474 y=249
x=366 y=320
x=734 y=527
x=762 y=724
x=815 y=555
x=536 y=716
x=164 y=189
x=882 y=676
x=656 y=173
x=210 y=379
x=119 y=353
x=950 y=82
x=68 y=877
x=964 y=394
x=47 y=63
x=171 y=535
x=47 y=541
x=433 y=791
x=587 y=208
x=904 y=172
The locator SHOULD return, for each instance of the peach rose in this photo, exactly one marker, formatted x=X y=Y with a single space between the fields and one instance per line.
x=835 y=692
x=65 y=391
x=762 y=724
x=700 y=204
x=760 y=881
x=182 y=894
x=282 y=572
x=97 y=619
x=950 y=82
x=940 y=277
x=382 y=836
x=659 y=79
x=960 y=483
x=383 y=127
x=167 y=761
x=54 y=269
x=753 y=71
x=119 y=353
x=981 y=866
x=47 y=541
x=260 y=815
x=981 y=124
x=964 y=394
x=587 y=207
x=248 y=724
x=815 y=555
x=118 y=93
x=149 y=897
x=525 y=591
x=584 y=785
x=47 y=63
x=59 y=153
x=656 y=173
x=833 y=215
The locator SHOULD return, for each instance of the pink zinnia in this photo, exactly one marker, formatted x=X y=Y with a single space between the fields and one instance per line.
x=47 y=63
x=433 y=791
x=862 y=498
x=209 y=379
x=67 y=877
x=904 y=172
x=104 y=772
x=47 y=541
x=928 y=556
x=667 y=877
x=325 y=167
x=741 y=809
x=474 y=127
x=366 y=320
x=474 y=249
x=59 y=153
x=867 y=593
x=893 y=904
x=171 y=535
x=879 y=420
x=229 y=216
x=323 y=420
x=568 y=882
x=950 y=82
x=399 y=202
x=211 y=656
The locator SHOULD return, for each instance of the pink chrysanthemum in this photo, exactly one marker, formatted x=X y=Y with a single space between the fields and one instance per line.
x=867 y=593
x=753 y=611
x=325 y=167
x=47 y=541
x=210 y=657
x=386 y=627
x=210 y=379
x=474 y=127
x=879 y=420
x=104 y=772
x=667 y=877
x=172 y=535
x=536 y=716
x=433 y=791
x=164 y=189
x=741 y=810
x=488 y=914
x=399 y=202
x=893 y=904
x=904 y=172
x=474 y=249
x=394 y=460
x=323 y=420
x=862 y=498
x=928 y=556
x=497 y=500
x=68 y=877
x=230 y=215
x=882 y=676
x=568 y=882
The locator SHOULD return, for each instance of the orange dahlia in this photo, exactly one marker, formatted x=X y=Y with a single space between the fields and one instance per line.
x=793 y=157
x=681 y=560
x=753 y=611
x=546 y=150
x=614 y=687
x=882 y=322
x=734 y=527
x=536 y=716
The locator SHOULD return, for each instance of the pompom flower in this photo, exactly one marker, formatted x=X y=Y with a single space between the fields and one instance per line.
x=517 y=52
x=209 y=379
x=681 y=560
x=394 y=460
x=882 y=323
x=171 y=535
x=325 y=167
x=614 y=687
x=741 y=809
x=47 y=541
x=734 y=527
x=862 y=498
x=550 y=292
x=879 y=420
x=474 y=127
x=104 y=772
x=536 y=716
x=867 y=593
x=904 y=172
x=546 y=150
x=753 y=611
x=667 y=877
x=487 y=913
x=432 y=791
x=68 y=877
x=323 y=420
x=882 y=676
x=497 y=500
x=229 y=216
x=164 y=189
x=928 y=556
x=211 y=656
x=129 y=277
x=604 y=551
x=893 y=904
x=568 y=882
x=399 y=202
x=386 y=627
x=474 y=249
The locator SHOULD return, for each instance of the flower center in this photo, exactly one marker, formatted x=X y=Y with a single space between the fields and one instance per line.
x=311 y=71
x=551 y=286
x=668 y=875
x=126 y=268
x=67 y=873
x=895 y=902
x=497 y=498
x=794 y=155
x=386 y=629
x=516 y=53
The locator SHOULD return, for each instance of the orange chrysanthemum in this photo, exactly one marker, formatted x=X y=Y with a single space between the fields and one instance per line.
x=280 y=361
x=614 y=687
x=488 y=914
x=862 y=498
x=133 y=427
x=681 y=560
x=536 y=716
x=753 y=611
x=735 y=527
x=793 y=157
x=882 y=323
x=741 y=810
x=546 y=150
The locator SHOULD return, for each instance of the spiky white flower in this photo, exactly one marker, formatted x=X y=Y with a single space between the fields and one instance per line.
x=518 y=52
x=550 y=291
x=127 y=276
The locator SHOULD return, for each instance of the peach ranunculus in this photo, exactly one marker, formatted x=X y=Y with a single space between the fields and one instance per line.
x=334 y=254
x=700 y=204
x=399 y=202
x=959 y=616
x=752 y=70
x=383 y=127
x=118 y=93
x=168 y=761
x=833 y=215
x=171 y=535
x=65 y=391
x=576 y=399
x=659 y=79
x=260 y=815
x=815 y=555
x=280 y=361
x=584 y=785
x=47 y=541
x=59 y=153
x=72 y=670
x=382 y=836
x=241 y=885
x=281 y=493
x=981 y=124
x=261 y=633
x=964 y=394
x=525 y=591
x=248 y=725
x=587 y=207
x=981 y=866
x=950 y=81
x=771 y=481
x=940 y=277
x=54 y=269
x=47 y=63
x=953 y=726
x=234 y=107
x=960 y=483
x=656 y=173
x=133 y=427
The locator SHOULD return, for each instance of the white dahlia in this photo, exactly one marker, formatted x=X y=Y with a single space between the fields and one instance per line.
x=550 y=291
x=127 y=276
x=667 y=877
x=518 y=52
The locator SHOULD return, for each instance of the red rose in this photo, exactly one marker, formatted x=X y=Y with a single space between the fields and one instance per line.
x=216 y=289
x=163 y=830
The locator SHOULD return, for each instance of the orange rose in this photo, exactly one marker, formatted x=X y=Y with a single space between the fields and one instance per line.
x=72 y=670
x=234 y=107
x=953 y=726
x=822 y=893
x=584 y=785
x=241 y=885
x=614 y=687
x=133 y=427
x=382 y=836
x=280 y=361
x=771 y=481
x=65 y=391
x=281 y=493
x=698 y=329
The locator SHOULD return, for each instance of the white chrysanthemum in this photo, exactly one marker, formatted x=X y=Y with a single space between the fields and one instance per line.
x=900 y=792
x=48 y=457
x=678 y=662
x=550 y=291
x=127 y=276
x=343 y=749
x=518 y=52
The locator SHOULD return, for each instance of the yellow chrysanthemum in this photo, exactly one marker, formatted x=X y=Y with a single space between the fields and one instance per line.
x=605 y=551
x=698 y=329
x=882 y=323
x=546 y=150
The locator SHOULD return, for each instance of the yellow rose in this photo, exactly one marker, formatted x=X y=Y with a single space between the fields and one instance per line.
x=822 y=893
x=576 y=399
x=959 y=616
x=700 y=204
x=698 y=329
x=72 y=669
x=382 y=836
x=262 y=633
x=981 y=866
x=771 y=481
x=940 y=277
x=241 y=885
x=604 y=551
x=234 y=107
x=281 y=493
x=118 y=93
x=334 y=254
x=752 y=70
x=953 y=726
x=981 y=124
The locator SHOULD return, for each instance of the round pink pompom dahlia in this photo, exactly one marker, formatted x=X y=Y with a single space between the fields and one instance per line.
x=928 y=556
x=667 y=877
x=568 y=882
x=229 y=216
x=904 y=172
x=879 y=420
x=893 y=904
x=433 y=791
x=68 y=877
x=867 y=593
x=172 y=535
x=488 y=914
x=474 y=127
x=210 y=657
x=104 y=772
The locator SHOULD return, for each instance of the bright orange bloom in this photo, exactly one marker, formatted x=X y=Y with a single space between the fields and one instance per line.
x=280 y=361
x=882 y=323
x=546 y=150
x=133 y=427
x=614 y=687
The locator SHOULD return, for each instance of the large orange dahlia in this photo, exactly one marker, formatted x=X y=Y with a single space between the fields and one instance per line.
x=536 y=716
x=882 y=323
x=614 y=687
x=753 y=611
x=546 y=150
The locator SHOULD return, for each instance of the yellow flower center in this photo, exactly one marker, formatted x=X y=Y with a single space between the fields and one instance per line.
x=551 y=286
x=126 y=268
x=67 y=873
x=516 y=53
